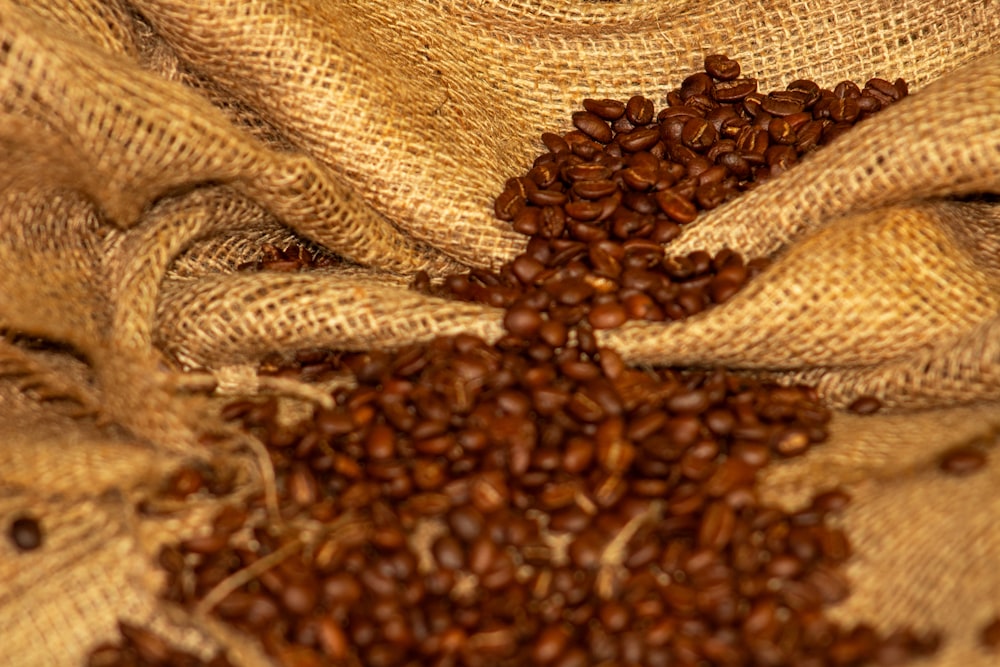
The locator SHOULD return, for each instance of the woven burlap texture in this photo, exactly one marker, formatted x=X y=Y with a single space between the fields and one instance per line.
x=151 y=148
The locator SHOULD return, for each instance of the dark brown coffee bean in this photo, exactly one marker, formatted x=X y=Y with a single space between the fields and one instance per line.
x=698 y=134
x=150 y=648
x=551 y=643
x=547 y=197
x=845 y=109
x=884 y=91
x=833 y=501
x=734 y=90
x=605 y=108
x=721 y=67
x=989 y=635
x=184 y=482
x=639 y=110
x=522 y=321
x=588 y=172
x=205 y=544
x=781 y=131
x=640 y=139
x=593 y=126
x=735 y=163
x=508 y=204
x=785 y=102
x=677 y=207
x=751 y=140
x=688 y=402
x=25 y=533
x=963 y=460
x=584 y=210
x=300 y=599
x=717 y=526
x=865 y=405
x=448 y=553
x=594 y=189
x=607 y=316
x=831 y=584
x=698 y=83
x=834 y=545
x=489 y=492
x=331 y=638
x=792 y=442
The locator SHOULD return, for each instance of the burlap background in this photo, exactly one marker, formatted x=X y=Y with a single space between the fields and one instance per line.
x=150 y=148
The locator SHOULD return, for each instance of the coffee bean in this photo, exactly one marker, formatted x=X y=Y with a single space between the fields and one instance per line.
x=679 y=208
x=734 y=90
x=547 y=197
x=717 y=526
x=640 y=139
x=792 y=442
x=25 y=533
x=722 y=68
x=150 y=648
x=593 y=126
x=833 y=501
x=522 y=321
x=698 y=134
x=605 y=108
x=989 y=635
x=607 y=316
x=865 y=405
x=551 y=643
x=639 y=110
x=962 y=460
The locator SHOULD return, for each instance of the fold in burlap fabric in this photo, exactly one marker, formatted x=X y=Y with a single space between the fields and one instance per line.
x=151 y=148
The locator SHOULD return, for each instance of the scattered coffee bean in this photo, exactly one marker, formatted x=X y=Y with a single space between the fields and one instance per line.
x=26 y=533
x=989 y=635
x=963 y=460
x=865 y=405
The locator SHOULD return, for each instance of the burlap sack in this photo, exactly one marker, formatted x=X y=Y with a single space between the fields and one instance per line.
x=151 y=148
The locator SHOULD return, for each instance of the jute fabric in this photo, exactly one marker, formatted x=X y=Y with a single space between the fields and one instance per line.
x=151 y=148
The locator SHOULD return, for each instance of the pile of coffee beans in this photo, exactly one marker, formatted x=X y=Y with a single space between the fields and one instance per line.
x=467 y=504
x=602 y=202
x=536 y=501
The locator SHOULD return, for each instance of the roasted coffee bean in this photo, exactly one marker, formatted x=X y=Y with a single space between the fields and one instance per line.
x=523 y=321
x=607 y=316
x=698 y=134
x=734 y=90
x=722 y=68
x=551 y=644
x=593 y=126
x=605 y=108
x=989 y=635
x=780 y=106
x=639 y=110
x=25 y=533
x=547 y=197
x=679 y=208
x=963 y=460
x=865 y=405
x=640 y=139
x=833 y=501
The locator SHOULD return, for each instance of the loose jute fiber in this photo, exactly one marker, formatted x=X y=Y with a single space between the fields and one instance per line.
x=151 y=148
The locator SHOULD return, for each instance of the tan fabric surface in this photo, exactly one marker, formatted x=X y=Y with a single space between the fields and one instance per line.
x=152 y=147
